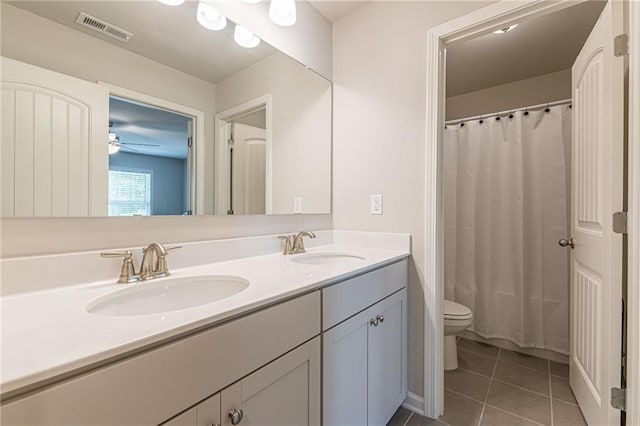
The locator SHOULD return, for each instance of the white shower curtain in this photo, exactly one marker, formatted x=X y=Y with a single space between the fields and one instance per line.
x=506 y=203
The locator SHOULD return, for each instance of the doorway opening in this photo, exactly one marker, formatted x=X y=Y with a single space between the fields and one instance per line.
x=150 y=160
x=244 y=164
x=604 y=364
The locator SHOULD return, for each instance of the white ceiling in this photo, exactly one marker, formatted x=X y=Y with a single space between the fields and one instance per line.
x=336 y=9
x=165 y=34
x=535 y=47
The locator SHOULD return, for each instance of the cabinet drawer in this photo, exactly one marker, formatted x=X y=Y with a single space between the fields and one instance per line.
x=347 y=298
x=151 y=387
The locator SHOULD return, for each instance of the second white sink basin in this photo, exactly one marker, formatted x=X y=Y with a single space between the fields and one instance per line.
x=168 y=295
x=326 y=258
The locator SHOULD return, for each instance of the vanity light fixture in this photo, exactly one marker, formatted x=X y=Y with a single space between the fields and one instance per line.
x=245 y=38
x=210 y=18
x=172 y=2
x=283 y=12
x=505 y=29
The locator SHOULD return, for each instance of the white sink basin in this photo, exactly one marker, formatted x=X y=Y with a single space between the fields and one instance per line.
x=166 y=295
x=326 y=258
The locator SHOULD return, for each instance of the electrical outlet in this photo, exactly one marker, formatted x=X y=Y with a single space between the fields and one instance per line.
x=297 y=205
x=375 y=204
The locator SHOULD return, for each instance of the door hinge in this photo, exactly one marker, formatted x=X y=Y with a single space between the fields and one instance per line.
x=621 y=45
x=190 y=142
x=619 y=398
x=620 y=222
x=230 y=142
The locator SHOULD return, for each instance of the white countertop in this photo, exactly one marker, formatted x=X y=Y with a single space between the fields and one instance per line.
x=46 y=334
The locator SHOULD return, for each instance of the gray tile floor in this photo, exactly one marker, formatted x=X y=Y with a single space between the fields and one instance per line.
x=499 y=387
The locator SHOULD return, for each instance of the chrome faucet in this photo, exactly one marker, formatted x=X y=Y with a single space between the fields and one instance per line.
x=293 y=244
x=148 y=268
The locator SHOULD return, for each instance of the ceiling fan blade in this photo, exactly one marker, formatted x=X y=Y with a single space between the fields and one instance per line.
x=141 y=144
x=128 y=149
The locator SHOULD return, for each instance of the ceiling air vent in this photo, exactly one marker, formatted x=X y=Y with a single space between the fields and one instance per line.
x=103 y=27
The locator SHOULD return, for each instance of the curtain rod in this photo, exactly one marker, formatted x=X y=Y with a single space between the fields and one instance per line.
x=495 y=114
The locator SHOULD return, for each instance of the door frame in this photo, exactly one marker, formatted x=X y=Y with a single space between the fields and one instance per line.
x=633 y=268
x=474 y=24
x=222 y=154
x=198 y=151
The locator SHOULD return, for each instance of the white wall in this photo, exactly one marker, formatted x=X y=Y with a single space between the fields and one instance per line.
x=551 y=87
x=301 y=138
x=379 y=63
x=56 y=235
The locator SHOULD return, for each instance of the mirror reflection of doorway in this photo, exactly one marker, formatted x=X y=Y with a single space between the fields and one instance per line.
x=247 y=145
x=150 y=160
x=247 y=159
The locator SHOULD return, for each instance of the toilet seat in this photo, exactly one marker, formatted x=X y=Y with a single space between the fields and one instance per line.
x=455 y=311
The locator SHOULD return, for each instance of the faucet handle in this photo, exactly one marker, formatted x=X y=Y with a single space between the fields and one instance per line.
x=288 y=246
x=128 y=271
x=172 y=248
x=126 y=254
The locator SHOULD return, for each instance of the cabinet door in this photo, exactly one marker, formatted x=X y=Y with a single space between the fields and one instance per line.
x=364 y=370
x=387 y=366
x=188 y=418
x=285 y=392
x=208 y=412
x=345 y=372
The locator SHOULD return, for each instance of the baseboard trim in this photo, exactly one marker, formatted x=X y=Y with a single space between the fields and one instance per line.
x=414 y=403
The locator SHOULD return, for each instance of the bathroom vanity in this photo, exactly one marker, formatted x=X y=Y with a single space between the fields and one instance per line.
x=316 y=338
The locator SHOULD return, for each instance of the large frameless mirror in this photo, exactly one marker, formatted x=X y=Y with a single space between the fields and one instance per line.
x=138 y=108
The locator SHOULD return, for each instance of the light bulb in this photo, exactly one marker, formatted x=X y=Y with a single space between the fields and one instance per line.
x=245 y=38
x=172 y=2
x=113 y=148
x=283 y=12
x=210 y=18
x=252 y=1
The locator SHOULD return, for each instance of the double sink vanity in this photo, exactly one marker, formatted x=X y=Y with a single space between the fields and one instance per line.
x=239 y=333
x=250 y=331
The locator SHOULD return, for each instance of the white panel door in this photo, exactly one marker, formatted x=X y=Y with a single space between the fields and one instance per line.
x=255 y=168
x=597 y=190
x=54 y=149
x=249 y=169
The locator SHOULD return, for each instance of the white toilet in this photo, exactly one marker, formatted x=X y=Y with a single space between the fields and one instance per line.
x=457 y=318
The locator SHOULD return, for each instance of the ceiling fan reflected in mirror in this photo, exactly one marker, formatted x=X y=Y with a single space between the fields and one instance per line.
x=115 y=145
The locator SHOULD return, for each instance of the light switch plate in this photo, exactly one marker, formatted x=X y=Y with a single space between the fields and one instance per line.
x=297 y=205
x=375 y=204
